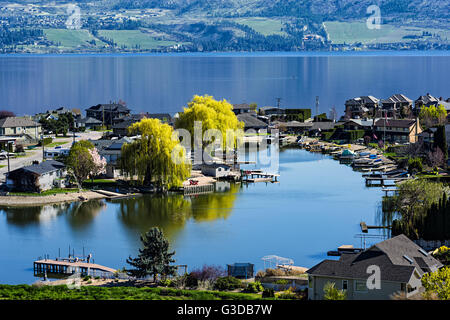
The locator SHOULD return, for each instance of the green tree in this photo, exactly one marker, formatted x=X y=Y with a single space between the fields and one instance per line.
x=438 y=283
x=213 y=114
x=440 y=140
x=432 y=115
x=154 y=258
x=156 y=157
x=80 y=162
x=332 y=293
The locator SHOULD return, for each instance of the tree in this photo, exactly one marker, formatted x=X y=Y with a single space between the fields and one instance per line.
x=332 y=293
x=156 y=157
x=440 y=140
x=154 y=258
x=213 y=114
x=435 y=158
x=438 y=282
x=81 y=163
x=432 y=115
x=6 y=114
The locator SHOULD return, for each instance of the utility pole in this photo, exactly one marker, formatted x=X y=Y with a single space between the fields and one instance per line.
x=43 y=149
x=278 y=102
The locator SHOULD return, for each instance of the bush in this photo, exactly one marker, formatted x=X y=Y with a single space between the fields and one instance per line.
x=46 y=141
x=288 y=294
x=275 y=272
x=268 y=293
x=227 y=283
x=282 y=281
x=415 y=165
x=191 y=281
x=208 y=272
x=254 y=287
x=166 y=283
x=86 y=278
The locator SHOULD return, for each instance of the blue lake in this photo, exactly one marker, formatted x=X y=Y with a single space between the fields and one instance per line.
x=316 y=206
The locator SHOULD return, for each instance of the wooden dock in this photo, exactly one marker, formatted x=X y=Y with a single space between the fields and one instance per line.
x=365 y=228
x=198 y=189
x=65 y=267
x=251 y=176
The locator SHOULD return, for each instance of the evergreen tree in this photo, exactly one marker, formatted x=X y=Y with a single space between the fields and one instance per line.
x=154 y=258
x=440 y=140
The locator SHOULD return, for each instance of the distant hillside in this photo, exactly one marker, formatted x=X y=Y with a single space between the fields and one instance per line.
x=327 y=9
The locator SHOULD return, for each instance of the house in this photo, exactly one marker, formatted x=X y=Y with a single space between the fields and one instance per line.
x=56 y=152
x=107 y=112
x=398 y=130
x=361 y=107
x=120 y=128
x=252 y=122
x=396 y=106
x=216 y=170
x=426 y=100
x=87 y=123
x=401 y=264
x=359 y=124
x=271 y=111
x=23 y=129
x=293 y=126
x=37 y=177
x=111 y=150
x=243 y=108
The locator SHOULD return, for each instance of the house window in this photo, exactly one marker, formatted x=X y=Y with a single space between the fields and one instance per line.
x=360 y=286
x=402 y=287
x=344 y=284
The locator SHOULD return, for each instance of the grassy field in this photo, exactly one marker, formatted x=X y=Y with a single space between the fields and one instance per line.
x=264 y=26
x=70 y=38
x=131 y=38
x=352 y=32
x=27 y=292
x=56 y=144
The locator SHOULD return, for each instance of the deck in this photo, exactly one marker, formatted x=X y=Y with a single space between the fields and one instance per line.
x=68 y=267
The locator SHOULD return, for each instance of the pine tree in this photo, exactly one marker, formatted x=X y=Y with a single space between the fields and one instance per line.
x=154 y=258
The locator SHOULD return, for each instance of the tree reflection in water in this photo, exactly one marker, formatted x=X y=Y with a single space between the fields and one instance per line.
x=81 y=214
x=171 y=213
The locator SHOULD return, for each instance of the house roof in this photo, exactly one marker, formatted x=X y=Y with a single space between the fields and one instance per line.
x=115 y=107
x=89 y=120
x=396 y=98
x=42 y=168
x=396 y=123
x=361 y=122
x=251 y=121
x=325 y=125
x=241 y=106
x=11 y=122
x=397 y=258
x=426 y=99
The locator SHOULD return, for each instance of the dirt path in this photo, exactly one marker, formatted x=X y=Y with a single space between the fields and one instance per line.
x=22 y=201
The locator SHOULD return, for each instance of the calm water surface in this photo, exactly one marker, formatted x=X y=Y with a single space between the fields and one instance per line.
x=165 y=83
x=316 y=207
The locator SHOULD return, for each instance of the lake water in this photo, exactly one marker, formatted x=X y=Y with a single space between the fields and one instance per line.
x=165 y=83
x=316 y=207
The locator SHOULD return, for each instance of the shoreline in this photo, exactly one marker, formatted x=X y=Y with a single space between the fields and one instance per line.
x=32 y=201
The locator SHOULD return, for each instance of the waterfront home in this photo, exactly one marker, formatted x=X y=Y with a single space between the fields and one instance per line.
x=396 y=106
x=401 y=264
x=293 y=126
x=120 y=128
x=23 y=129
x=252 y=122
x=243 y=108
x=427 y=100
x=398 y=130
x=37 y=177
x=361 y=107
x=56 y=152
x=216 y=170
x=107 y=112
x=87 y=123
x=359 y=124
x=110 y=150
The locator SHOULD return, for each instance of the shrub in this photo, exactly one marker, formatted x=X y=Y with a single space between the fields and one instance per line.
x=260 y=274
x=254 y=287
x=86 y=278
x=46 y=141
x=227 y=283
x=275 y=272
x=288 y=294
x=332 y=293
x=166 y=283
x=282 y=281
x=415 y=165
x=208 y=272
x=191 y=281
x=268 y=293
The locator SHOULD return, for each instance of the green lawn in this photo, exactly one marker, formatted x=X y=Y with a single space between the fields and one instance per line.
x=70 y=38
x=45 y=193
x=131 y=38
x=27 y=292
x=265 y=26
x=56 y=144
x=352 y=32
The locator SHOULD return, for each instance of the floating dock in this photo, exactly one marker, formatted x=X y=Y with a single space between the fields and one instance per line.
x=198 y=189
x=65 y=267
x=258 y=176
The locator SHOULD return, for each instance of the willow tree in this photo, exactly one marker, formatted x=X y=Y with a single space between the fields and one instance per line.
x=156 y=157
x=215 y=116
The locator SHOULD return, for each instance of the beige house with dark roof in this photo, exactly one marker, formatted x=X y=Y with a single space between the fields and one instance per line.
x=20 y=127
x=401 y=264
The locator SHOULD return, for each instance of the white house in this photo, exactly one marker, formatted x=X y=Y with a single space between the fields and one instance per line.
x=216 y=170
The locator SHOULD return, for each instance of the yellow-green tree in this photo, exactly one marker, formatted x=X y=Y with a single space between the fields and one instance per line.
x=156 y=157
x=437 y=283
x=213 y=114
x=432 y=115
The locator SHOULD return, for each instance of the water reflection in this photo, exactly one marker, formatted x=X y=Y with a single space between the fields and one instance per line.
x=81 y=214
x=171 y=213
x=33 y=215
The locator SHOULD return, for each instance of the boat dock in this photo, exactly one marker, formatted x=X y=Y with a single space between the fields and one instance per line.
x=365 y=228
x=198 y=189
x=252 y=176
x=68 y=267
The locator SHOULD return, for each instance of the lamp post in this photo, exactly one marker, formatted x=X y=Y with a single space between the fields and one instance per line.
x=43 y=148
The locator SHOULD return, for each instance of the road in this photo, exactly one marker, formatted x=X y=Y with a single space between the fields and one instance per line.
x=36 y=155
